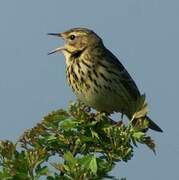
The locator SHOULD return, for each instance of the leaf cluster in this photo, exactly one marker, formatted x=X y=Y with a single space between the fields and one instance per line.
x=74 y=144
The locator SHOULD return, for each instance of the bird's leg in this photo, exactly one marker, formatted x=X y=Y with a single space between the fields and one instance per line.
x=122 y=115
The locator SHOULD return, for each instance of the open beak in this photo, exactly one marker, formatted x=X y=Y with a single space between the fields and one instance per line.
x=59 y=48
x=56 y=50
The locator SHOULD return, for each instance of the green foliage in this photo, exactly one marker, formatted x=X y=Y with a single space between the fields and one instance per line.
x=85 y=146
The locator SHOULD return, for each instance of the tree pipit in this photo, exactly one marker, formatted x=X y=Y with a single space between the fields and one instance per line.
x=98 y=78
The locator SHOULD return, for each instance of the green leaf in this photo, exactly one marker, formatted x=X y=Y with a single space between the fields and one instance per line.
x=89 y=162
x=93 y=165
x=51 y=138
x=68 y=156
x=85 y=161
x=94 y=134
x=68 y=124
x=85 y=138
x=138 y=135
x=66 y=167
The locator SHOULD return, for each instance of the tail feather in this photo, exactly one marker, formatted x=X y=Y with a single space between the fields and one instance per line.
x=153 y=125
x=139 y=111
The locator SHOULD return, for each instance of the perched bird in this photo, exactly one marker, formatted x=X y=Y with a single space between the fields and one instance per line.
x=96 y=76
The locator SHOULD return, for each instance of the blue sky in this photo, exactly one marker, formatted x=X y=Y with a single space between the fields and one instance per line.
x=143 y=34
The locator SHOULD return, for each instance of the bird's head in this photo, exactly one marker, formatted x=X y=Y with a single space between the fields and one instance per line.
x=77 y=40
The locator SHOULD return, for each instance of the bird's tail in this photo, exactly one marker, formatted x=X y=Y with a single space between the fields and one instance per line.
x=153 y=125
x=139 y=115
x=145 y=123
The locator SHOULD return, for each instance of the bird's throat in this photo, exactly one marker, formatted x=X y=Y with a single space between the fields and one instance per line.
x=77 y=54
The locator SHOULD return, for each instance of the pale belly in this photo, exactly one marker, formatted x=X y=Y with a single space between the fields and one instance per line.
x=103 y=100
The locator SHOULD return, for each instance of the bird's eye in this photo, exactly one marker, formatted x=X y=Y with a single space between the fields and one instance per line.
x=72 y=37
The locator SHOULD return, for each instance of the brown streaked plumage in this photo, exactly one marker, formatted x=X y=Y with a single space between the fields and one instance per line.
x=96 y=76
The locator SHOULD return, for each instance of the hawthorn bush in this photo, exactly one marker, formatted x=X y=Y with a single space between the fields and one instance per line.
x=74 y=144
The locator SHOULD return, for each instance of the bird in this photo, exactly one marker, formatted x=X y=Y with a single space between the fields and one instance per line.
x=96 y=76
